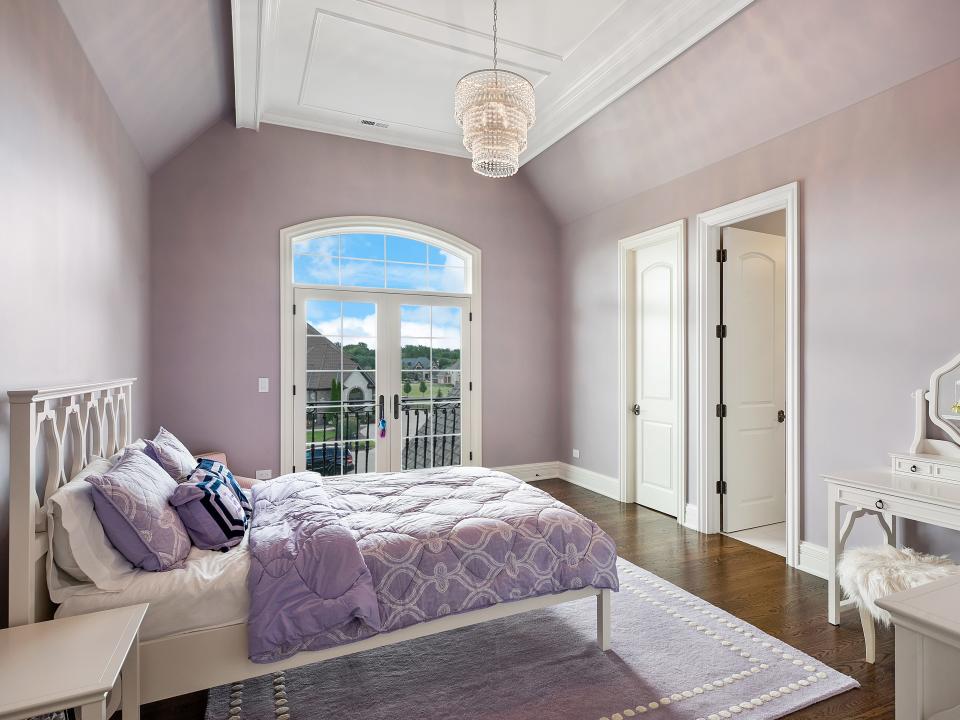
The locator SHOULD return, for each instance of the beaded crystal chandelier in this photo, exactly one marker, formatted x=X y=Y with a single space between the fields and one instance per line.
x=495 y=108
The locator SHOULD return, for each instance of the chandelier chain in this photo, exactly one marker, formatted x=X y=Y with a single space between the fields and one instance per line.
x=494 y=34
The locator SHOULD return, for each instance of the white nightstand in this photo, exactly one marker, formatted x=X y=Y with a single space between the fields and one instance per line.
x=72 y=662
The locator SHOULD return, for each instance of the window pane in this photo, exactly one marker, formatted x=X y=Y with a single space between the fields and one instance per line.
x=326 y=458
x=416 y=385
x=446 y=279
x=323 y=423
x=439 y=256
x=361 y=245
x=360 y=458
x=406 y=249
x=359 y=421
x=316 y=269
x=446 y=322
x=360 y=320
x=406 y=277
x=361 y=273
x=359 y=354
x=417 y=453
x=377 y=260
x=446 y=418
x=415 y=321
x=327 y=245
x=446 y=450
x=323 y=353
x=446 y=384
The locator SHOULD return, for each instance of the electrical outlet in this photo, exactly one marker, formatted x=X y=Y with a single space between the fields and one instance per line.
x=576 y=454
x=263 y=385
x=264 y=474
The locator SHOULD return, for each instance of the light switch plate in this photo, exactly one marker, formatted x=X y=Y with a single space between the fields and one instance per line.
x=264 y=385
x=264 y=474
x=576 y=454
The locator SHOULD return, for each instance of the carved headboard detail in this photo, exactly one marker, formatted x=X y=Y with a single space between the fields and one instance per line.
x=64 y=426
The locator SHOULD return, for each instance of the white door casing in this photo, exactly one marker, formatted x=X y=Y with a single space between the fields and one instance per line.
x=705 y=438
x=653 y=433
x=753 y=379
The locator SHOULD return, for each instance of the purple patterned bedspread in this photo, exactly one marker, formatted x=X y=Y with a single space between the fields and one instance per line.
x=429 y=542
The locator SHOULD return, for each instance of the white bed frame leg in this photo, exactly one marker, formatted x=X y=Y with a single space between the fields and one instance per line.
x=603 y=620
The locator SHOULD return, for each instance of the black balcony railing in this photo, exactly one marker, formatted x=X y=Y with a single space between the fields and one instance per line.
x=340 y=442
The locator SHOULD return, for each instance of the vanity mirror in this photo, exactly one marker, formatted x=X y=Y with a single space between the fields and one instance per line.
x=935 y=457
x=944 y=398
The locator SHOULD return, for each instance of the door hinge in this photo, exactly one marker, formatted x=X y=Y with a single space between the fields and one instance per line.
x=470 y=386
x=470 y=316
x=721 y=487
x=721 y=331
x=721 y=410
x=471 y=455
x=721 y=255
x=294 y=308
x=294 y=389
x=294 y=469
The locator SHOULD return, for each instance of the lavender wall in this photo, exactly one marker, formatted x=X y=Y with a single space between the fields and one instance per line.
x=74 y=295
x=880 y=183
x=216 y=211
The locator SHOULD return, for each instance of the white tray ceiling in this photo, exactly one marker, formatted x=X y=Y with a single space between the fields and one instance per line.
x=386 y=71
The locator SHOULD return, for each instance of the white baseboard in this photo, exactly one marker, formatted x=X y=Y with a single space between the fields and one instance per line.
x=603 y=484
x=588 y=479
x=532 y=471
x=813 y=559
x=690 y=518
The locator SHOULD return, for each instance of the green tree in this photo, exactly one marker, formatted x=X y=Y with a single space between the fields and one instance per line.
x=407 y=387
x=335 y=389
x=439 y=392
x=423 y=387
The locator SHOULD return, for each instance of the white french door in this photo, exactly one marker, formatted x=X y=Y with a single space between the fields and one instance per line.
x=382 y=381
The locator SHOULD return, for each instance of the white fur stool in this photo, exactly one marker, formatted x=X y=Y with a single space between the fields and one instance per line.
x=869 y=573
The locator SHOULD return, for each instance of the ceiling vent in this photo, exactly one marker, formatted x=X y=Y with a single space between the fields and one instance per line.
x=374 y=123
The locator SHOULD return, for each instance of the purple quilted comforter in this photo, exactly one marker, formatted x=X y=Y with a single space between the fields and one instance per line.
x=335 y=560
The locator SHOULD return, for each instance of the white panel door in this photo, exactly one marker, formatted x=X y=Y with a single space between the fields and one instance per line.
x=657 y=382
x=753 y=379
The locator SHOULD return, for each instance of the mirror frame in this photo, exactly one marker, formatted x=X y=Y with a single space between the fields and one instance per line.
x=934 y=393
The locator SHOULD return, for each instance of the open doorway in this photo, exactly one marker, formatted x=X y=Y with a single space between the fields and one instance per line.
x=753 y=463
x=756 y=232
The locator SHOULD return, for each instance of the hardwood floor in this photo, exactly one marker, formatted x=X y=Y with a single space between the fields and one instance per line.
x=750 y=583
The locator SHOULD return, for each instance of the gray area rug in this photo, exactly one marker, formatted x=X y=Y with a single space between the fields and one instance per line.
x=673 y=656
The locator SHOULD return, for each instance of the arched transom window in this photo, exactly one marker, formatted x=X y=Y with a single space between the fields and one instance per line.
x=382 y=260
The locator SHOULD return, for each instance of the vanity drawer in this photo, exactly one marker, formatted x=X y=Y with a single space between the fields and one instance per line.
x=931 y=512
x=915 y=466
x=912 y=466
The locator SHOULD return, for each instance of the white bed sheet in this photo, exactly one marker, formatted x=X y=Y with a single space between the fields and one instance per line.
x=209 y=591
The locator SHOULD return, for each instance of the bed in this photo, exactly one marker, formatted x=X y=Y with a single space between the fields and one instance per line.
x=445 y=549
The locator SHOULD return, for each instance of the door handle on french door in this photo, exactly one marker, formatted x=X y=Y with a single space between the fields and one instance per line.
x=781 y=416
x=636 y=408
x=396 y=407
x=382 y=416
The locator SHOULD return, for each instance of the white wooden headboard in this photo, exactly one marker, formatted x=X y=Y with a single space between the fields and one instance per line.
x=53 y=434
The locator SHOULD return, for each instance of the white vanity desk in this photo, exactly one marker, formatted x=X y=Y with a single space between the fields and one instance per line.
x=884 y=494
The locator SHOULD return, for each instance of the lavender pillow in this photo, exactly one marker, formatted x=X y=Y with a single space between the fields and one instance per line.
x=171 y=454
x=211 y=512
x=132 y=502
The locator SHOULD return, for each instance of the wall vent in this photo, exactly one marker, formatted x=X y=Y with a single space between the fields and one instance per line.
x=374 y=123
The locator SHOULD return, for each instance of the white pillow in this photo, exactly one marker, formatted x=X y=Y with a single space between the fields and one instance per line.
x=80 y=552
